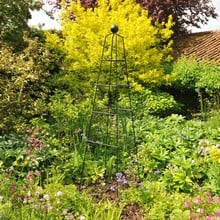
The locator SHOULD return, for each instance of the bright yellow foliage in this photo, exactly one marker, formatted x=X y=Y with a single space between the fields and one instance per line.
x=147 y=46
x=214 y=153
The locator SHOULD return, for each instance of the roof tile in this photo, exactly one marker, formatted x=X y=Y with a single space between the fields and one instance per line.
x=201 y=46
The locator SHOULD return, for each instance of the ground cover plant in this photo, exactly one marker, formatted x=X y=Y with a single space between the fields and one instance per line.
x=174 y=175
x=45 y=101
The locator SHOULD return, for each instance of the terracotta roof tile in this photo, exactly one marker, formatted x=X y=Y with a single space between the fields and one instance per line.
x=202 y=46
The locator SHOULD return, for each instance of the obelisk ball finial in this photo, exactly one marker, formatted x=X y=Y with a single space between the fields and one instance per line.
x=114 y=28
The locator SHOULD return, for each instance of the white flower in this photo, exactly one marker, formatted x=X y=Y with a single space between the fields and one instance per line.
x=65 y=211
x=81 y=217
x=199 y=210
x=46 y=197
x=59 y=193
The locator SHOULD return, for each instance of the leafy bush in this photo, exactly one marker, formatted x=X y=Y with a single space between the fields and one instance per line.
x=172 y=150
x=23 y=81
x=145 y=57
x=156 y=202
x=150 y=102
x=201 y=77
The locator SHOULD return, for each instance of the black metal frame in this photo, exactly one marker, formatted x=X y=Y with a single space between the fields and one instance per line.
x=112 y=82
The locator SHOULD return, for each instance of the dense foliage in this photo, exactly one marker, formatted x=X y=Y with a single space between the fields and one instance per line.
x=201 y=77
x=173 y=175
x=145 y=58
x=11 y=26
x=47 y=168
x=190 y=13
x=22 y=84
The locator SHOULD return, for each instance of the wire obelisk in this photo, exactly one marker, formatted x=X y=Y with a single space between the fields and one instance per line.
x=110 y=133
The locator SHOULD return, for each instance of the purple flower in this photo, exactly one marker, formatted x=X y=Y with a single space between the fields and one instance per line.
x=28 y=195
x=119 y=175
x=113 y=188
x=120 y=178
x=37 y=193
x=124 y=180
x=41 y=145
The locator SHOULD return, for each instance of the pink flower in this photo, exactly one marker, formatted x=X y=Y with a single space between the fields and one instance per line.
x=12 y=187
x=38 y=174
x=29 y=175
x=208 y=194
x=215 y=199
x=30 y=140
x=197 y=201
x=37 y=193
x=217 y=213
x=24 y=188
x=210 y=217
x=49 y=207
x=187 y=204
x=41 y=145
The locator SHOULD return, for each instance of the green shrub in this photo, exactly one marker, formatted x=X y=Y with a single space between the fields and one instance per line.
x=23 y=82
x=155 y=103
x=201 y=77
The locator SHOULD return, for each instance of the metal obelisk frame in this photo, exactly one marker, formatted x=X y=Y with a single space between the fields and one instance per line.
x=110 y=133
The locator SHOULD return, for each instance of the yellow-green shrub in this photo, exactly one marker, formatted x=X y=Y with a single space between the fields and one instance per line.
x=22 y=83
x=147 y=46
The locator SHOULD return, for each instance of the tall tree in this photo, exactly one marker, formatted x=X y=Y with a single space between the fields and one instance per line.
x=185 y=13
x=14 y=15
